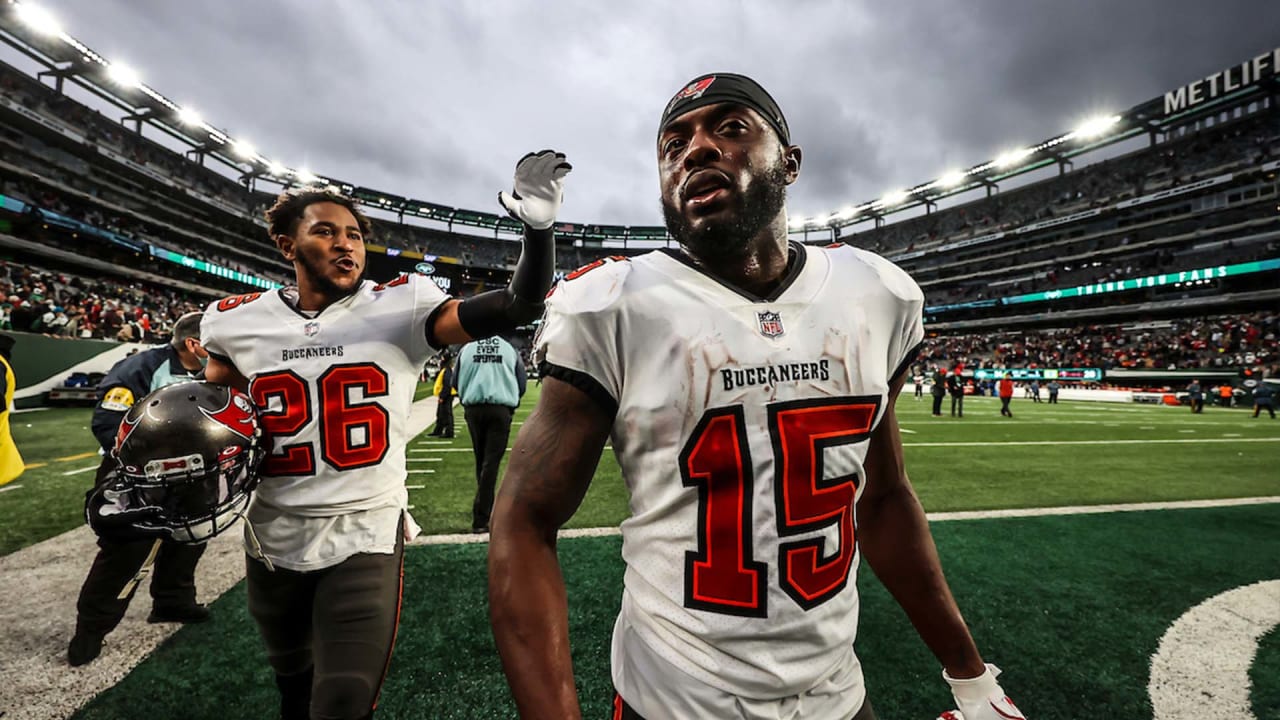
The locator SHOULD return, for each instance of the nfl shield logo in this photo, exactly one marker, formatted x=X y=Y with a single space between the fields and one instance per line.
x=311 y=328
x=770 y=324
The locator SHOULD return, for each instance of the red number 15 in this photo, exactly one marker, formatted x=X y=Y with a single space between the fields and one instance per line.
x=722 y=575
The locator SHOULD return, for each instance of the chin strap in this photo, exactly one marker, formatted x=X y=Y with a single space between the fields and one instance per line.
x=522 y=301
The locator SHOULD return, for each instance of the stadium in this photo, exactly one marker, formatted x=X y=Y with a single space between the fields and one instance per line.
x=1116 y=553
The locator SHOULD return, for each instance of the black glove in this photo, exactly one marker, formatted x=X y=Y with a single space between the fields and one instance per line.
x=110 y=515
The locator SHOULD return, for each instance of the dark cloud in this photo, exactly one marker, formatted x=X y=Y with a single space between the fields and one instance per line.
x=436 y=101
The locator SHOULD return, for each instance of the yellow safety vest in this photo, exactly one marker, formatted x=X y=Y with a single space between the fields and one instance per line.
x=11 y=465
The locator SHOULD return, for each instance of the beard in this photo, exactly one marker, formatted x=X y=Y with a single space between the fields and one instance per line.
x=752 y=211
x=322 y=282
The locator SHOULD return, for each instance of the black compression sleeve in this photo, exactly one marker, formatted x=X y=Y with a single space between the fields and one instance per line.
x=521 y=302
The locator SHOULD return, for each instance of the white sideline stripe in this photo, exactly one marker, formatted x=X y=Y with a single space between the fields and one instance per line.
x=414 y=487
x=467 y=539
x=420 y=472
x=1006 y=443
x=7 y=488
x=81 y=470
x=1184 y=678
x=433 y=442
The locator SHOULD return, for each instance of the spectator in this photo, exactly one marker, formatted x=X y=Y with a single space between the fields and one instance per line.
x=1263 y=399
x=938 y=389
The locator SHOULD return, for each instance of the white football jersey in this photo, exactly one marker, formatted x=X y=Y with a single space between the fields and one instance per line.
x=741 y=429
x=334 y=390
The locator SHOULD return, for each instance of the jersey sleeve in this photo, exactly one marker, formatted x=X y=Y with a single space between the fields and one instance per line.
x=428 y=300
x=577 y=342
x=904 y=302
x=211 y=334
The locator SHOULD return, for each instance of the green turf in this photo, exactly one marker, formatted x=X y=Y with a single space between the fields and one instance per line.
x=46 y=501
x=1071 y=607
x=1263 y=674
x=1212 y=455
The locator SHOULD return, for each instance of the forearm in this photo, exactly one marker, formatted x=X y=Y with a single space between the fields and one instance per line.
x=894 y=537
x=529 y=612
x=521 y=302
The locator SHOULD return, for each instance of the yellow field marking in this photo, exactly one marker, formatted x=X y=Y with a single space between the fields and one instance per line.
x=81 y=456
x=33 y=466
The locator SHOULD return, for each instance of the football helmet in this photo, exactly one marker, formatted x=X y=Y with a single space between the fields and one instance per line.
x=192 y=450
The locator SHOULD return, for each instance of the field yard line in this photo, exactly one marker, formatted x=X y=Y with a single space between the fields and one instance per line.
x=1184 y=678
x=461 y=539
x=27 y=410
x=1003 y=443
x=909 y=432
x=421 y=472
x=33 y=466
x=78 y=456
x=414 y=487
x=7 y=488
x=81 y=470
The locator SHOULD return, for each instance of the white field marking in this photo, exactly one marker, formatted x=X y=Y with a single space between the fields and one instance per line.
x=1091 y=442
x=430 y=459
x=421 y=472
x=1186 y=680
x=1120 y=423
x=909 y=432
x=7 y=488
x=1146 y=427
x=412 y=507
x=464 y=539
x=414 y=487
x=434 y=442
x=27 y=410
x=1232 y=435
x=81 y=470
x=420 y=460
x=419 y=450
x=1186 y=431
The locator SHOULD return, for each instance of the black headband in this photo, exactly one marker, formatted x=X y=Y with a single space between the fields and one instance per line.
x=727 y=87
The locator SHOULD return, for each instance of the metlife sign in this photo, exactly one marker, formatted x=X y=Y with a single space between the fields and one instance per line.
x=1223 y=82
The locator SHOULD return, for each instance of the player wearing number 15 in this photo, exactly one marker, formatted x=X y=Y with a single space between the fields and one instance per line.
x=332 y=364
x=747 y=384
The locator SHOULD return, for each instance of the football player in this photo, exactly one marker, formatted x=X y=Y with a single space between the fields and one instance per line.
x=748 y=385
x=332 y=364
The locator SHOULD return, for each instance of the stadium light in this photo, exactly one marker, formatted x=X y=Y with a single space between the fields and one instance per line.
x=123 y=75
x=277 y=169
x=189 y=117
x=796 y=223
x=305 y=177
x=1095 y=126
x=38 y=19
x=951 y=179
x=1012 y=157
x=242 y=149
x=897 y=197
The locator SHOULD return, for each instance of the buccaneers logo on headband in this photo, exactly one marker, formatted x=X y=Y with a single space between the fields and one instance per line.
x=692 y=91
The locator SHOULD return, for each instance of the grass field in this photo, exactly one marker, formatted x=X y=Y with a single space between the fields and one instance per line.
x=1071 y=606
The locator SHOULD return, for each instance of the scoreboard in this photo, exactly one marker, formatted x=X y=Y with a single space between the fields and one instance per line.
x=1070 y=374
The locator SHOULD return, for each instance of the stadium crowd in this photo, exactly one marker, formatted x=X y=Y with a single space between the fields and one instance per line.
x=1221 y=341
x=33 y=299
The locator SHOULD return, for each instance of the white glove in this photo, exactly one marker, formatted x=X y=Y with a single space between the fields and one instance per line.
x=538 y=190
x=980 y=698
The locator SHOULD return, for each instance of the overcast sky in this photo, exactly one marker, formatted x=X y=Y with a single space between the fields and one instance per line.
x=436 y=100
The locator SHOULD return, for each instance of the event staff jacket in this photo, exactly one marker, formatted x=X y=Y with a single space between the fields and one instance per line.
x=490 y=372
x=129 y=381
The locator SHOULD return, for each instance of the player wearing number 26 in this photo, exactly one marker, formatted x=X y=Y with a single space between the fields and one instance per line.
x=747 y=384
x=332 y=364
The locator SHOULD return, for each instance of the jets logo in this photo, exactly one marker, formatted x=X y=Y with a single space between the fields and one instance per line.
x=238 y=415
